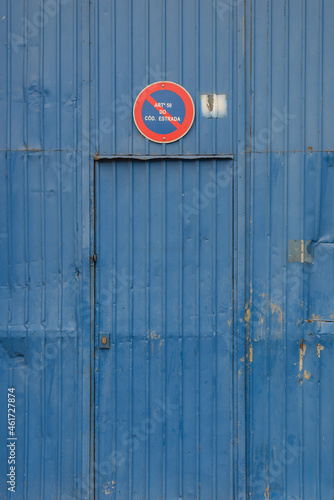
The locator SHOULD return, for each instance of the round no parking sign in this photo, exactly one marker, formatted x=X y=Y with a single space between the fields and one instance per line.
x=164 y=112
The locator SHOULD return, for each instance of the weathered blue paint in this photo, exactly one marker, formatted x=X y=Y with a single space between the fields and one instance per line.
x=250 y=380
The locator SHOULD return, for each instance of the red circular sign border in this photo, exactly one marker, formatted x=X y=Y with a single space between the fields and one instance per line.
x=188 y=119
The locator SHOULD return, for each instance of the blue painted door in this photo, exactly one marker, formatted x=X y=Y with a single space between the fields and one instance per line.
x=164 y=399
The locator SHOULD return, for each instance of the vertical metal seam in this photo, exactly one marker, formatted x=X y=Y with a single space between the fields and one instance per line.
x=198 y=340
x=269 y=212
x=148 y=325
x=60 y=254
x=320 y=147
x=131 y=332
x=44 y=323
x=76 y=233
x=285 y=219
x=302 y=212
x=164 y=325
x=181 y=260
x=215 y=335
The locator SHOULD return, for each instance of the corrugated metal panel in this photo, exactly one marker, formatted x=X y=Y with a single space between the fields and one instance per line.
x=71 y=71
x=290 y=409
x=40 y=245
x=138 y=43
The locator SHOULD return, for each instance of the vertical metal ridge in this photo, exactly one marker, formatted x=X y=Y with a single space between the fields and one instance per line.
x=148 y=325
x=197 y=73
x=43 y=320
x=214 y=68
x=270 y=211
x=77 y=241
x=60 y=253
x=215 y=342
x=302 y=212
x=163 y=47
x=131 y=332
x=181 y=260
x=131 y=70
x=41 y=77
x=197 y=334
x=96 y=94
x=321 y=75
x=320 y=147
x=114 y=83
x=8 y=79
x=148 y=77
x=164 y=324
x=285 y=218
x=114 y=332
x=26 y=318
x=25 y=78
x=267 y=266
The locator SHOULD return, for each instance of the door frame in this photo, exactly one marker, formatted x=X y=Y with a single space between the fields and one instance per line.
x=238 y=301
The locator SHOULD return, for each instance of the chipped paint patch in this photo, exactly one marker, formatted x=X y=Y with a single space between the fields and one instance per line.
x=154 y=336
x=275 y=310
x=251 y=353
x=319 y=349
x=302 y=351
x=214 y=105
x=266 y=493
x=247 y=314
x=307 y=375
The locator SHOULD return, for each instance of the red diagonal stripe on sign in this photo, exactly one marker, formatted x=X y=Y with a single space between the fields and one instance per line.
x=159 y=108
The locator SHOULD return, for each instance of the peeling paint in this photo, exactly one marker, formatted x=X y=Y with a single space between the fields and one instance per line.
x=307 y=375
x=251 y=353
x=275 y=310
x=266 y=493
x=302 y=351
x=319 y=349
x=247 y=314
x=214 y=105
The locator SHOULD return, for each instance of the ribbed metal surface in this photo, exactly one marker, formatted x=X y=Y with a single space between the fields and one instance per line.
x=140 y=42
x=41 y=246
x=250 y=416
x=290 y=377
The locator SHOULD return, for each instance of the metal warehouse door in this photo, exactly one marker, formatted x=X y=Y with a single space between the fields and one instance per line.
x=164 y=339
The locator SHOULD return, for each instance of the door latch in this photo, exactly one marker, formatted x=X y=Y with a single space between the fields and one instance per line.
x=104 y=341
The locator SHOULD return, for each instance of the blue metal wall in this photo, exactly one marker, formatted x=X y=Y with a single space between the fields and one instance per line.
x=44 y=207
x=290 y=203
x=69 y=75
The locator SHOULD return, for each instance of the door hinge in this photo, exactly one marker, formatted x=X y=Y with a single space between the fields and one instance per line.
x=299 y=251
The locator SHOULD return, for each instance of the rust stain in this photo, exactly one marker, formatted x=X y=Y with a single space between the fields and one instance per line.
x=319 y=349
x=310 y=149
x=302 y=351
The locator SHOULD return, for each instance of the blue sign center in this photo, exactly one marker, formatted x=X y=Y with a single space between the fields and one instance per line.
x=160 y=120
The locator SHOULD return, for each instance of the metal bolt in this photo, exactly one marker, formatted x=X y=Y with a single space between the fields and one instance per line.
x=164 y=138
x=104 y=340
x=162 y=85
